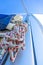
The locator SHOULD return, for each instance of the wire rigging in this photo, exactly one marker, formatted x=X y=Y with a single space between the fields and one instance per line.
x=25 y=8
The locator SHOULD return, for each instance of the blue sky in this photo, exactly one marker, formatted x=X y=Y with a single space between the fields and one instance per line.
x=15 y=6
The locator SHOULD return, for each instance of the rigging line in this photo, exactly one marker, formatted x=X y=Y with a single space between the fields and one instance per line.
x=25 y=8
x=33 y=45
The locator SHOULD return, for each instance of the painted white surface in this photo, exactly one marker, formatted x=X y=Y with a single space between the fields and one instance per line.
x=39 y=17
